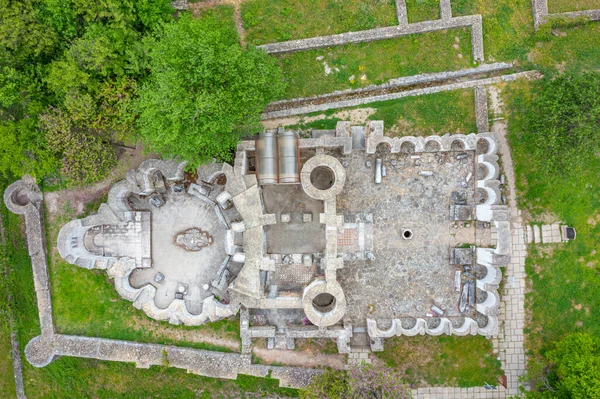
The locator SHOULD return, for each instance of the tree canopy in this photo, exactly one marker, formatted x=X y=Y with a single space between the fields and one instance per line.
x=76 y=76
x=77 y=61
x=571 y=371
x=204 y=90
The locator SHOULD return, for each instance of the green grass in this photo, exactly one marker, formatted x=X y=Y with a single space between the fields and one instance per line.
x=438 y=113
x=557 y=6
x=86 y=303
x=443 y=361
x=507 y=28
x=268 y=21
x=7 y=388
x=377 y=61
x=86 y=378
x=576 y=49
x=422 y=10
x=565 y=291
x=463 y=7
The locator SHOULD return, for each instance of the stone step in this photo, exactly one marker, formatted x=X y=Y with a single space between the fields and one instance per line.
x=359 y=340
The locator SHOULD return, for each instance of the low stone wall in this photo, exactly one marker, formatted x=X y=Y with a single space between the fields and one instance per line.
x=541 y=14
x=394 y=96
x=403 y=82
x=390 y=32
x=41 y=352
x=23 y=197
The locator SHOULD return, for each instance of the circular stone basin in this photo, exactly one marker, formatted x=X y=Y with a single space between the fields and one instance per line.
x=20 y=197
x=322 y=177
x=407 y=234
x=324 y=302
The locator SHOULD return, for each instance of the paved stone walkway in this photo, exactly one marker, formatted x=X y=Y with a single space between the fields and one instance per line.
x=509 y=342
x=546 y=234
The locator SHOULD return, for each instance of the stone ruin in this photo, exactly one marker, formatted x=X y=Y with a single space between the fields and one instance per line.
x=349 y=235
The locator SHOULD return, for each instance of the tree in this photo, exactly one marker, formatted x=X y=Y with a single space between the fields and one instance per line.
x=577 y=363
x=564 y=121
x=22 y=147
x=572 y=370
x=364 y=381
x=204 y=90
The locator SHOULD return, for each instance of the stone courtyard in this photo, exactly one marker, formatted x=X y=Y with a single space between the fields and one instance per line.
x=413 y=273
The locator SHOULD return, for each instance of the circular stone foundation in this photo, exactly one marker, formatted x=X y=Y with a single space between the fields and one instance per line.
x=20 y=197
x=324 y=303
x=322 y=177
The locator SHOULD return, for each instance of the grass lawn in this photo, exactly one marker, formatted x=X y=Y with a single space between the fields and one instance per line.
x=507 y=26
x=556 y=6
x=463 y=7
x=363 y=64
x=565 y=288
x=86 y=303
x=575 y=48
x=438 y=113
x=7 y=387
x=443 y=361
x=85 y=378
x=268 y=21
x=422 y=10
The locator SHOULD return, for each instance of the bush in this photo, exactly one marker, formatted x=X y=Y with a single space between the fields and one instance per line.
x=364 y=381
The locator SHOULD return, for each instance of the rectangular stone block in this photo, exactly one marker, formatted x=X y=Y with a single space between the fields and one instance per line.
x=537 y=234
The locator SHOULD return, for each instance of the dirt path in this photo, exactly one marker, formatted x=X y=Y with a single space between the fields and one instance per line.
x=300 y=358
x=499 y=127
x=206 y=336
x=77 y=197
x=196 y=8
x=356 y=116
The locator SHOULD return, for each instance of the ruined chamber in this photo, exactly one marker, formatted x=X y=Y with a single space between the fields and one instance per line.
x=349 y=235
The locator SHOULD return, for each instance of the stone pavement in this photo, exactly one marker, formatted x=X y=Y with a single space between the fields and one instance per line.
x=546 y=234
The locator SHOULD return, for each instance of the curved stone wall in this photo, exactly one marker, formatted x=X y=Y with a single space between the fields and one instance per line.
x=143 y=181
